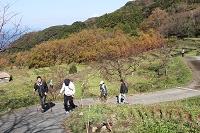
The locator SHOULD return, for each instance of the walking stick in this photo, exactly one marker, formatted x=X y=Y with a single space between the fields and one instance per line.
x=36 y=106
x=88 y=123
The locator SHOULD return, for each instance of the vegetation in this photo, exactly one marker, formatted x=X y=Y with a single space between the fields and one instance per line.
x=72 y=69
x=19 y=92
x=178 y=116
x=84 y=47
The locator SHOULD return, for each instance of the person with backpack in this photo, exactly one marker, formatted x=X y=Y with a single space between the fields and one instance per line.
x=69 y=91
x=103 y=90
x=42 y=88
x=123 y=90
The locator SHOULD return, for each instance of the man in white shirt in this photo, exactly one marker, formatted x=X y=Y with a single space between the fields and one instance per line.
x=69 y=91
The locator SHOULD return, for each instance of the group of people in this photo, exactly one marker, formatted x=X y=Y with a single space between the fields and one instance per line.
x=121 y=98
x=68 y=88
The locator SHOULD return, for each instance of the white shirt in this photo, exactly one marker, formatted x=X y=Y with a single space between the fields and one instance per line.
x=68 y=90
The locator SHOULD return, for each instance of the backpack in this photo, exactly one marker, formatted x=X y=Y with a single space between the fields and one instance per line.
x=125 y=89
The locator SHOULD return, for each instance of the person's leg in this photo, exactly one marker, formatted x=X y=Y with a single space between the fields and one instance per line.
x=66 y=103
x=119 y=97
x=43 y=102
x=40 y=100
x=71 y=102
x=125 y=99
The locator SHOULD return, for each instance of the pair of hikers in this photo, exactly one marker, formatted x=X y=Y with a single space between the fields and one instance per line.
x=67 y=87
x=121 y=98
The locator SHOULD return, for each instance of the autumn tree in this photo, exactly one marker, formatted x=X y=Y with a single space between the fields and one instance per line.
x=128 y=54
x=185 y=24
x=155 y=20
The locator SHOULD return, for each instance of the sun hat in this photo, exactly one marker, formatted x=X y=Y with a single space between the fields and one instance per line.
x=101 y=82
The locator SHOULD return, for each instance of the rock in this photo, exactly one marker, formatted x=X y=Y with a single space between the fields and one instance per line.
x=94 y=129
x=81 y=113
x=104 y=129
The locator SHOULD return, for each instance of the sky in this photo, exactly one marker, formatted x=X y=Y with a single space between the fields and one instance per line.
x=41 y=14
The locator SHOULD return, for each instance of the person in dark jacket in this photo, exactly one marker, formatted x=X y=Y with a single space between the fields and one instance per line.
x=42 y=88
x=123 y=90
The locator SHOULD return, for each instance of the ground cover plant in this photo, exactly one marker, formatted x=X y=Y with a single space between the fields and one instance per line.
x=177 y=116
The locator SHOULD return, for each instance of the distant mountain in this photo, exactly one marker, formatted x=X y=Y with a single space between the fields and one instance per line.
x=132 y=17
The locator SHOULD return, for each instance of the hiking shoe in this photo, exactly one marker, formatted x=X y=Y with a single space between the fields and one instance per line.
x=67 y=112
x=42 y=110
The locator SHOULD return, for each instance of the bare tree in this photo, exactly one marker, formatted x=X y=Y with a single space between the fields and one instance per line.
x=119 y=68
x=10 y=25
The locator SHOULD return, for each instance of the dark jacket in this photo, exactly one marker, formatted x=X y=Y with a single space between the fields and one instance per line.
x=41 y=87
x=123 y=88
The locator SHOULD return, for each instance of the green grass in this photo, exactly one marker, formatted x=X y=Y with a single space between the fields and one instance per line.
x=178 y=116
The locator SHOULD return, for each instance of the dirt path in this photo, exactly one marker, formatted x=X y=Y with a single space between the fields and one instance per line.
x=29 y=120
x=194 y=64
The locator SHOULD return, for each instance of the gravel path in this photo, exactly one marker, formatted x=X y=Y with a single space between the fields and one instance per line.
x=29 y=120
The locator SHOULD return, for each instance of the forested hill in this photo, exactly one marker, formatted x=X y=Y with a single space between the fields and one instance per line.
x=179 y=18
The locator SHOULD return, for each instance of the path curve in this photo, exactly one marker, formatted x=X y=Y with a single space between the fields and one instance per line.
x=29 y=120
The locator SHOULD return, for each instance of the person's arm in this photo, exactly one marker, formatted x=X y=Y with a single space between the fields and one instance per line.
x=35 y=87
x=46 y=87
x=63 y=88
x=121 y=88
x=72 y=87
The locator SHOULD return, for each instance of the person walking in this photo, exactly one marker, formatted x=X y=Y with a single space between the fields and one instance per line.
x=183 y=52
x=103 y=90
x=51 y=84
x=42 y=88
x=69 y=90
x=123 y=91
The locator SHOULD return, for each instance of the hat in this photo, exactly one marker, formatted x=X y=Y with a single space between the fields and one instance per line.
x=67 y=81
x=121 y=80
x=101 y=82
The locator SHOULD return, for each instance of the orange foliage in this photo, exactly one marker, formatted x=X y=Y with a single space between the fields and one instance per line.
x=87 y=46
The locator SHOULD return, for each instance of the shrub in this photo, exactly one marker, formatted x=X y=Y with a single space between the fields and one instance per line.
x=73 y=69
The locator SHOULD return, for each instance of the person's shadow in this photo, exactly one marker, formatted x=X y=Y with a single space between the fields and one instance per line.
x=48 y=106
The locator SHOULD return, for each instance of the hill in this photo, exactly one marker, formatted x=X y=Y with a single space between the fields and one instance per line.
x=131 y=18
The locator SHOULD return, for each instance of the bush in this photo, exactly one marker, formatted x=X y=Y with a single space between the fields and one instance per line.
x=198 y=53
x=72 y=69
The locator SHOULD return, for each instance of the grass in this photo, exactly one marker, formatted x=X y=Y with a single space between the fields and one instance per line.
x=178 y=116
